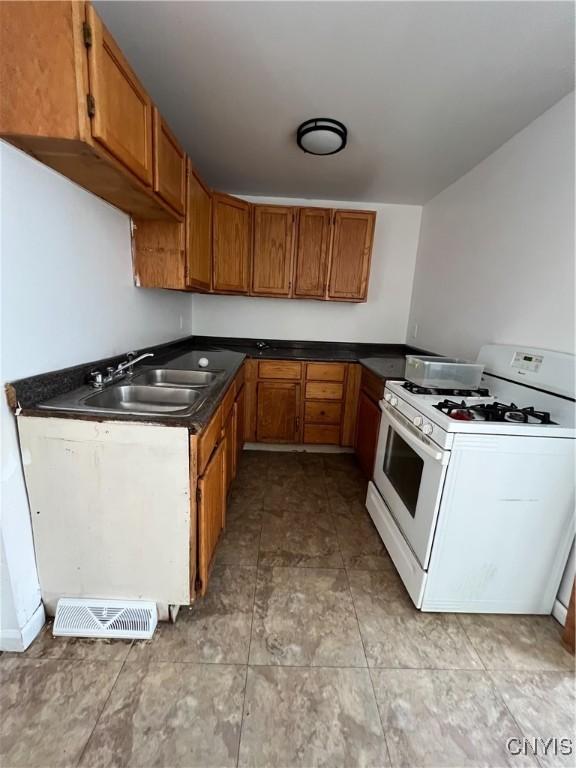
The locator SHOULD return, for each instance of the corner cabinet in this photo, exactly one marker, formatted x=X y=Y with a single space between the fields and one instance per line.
x=232 y=231
x=368 y=421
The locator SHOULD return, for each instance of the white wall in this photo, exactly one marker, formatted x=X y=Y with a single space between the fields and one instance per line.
x=496 y=255
x=383 y=318
x=67 y=298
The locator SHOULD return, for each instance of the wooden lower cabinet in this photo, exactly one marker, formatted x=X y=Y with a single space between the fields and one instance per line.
x=368 y=425
x=230 y=449
x=240 y=422
x=290 y=401
x=211 y=499
x=278 y=412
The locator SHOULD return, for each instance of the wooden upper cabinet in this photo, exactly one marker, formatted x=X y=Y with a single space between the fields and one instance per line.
x=198 y=233
x=43 y=73
x=278 y=412
x=231 y=227
x=122 y=110
x=350 y=255
x=273 y=250
x=311 y=261
x=169 y=165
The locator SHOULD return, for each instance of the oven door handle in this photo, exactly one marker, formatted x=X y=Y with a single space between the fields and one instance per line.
x=409 y=436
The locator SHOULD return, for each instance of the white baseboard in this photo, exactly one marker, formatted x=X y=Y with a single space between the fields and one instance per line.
x=18 y=640
x=559 y=612
x=300 y=447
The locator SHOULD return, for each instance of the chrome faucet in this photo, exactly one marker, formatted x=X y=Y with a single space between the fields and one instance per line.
x=132 y=361
x=98 y=379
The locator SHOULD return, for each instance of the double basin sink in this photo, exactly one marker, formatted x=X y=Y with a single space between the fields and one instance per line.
x=154 y=391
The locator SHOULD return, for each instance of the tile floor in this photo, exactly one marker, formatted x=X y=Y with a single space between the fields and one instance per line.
x=305 y=652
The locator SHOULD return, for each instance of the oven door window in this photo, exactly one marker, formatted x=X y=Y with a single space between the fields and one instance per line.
x=403 y=467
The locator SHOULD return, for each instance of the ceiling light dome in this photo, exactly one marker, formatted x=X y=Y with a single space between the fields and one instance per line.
x=322 y=136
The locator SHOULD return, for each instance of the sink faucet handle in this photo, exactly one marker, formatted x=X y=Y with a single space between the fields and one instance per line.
x=95 y=378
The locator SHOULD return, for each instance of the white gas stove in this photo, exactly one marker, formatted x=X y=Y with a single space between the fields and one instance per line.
x=473 y=491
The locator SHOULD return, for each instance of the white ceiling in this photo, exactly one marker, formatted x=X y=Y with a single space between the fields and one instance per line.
x=427 y=89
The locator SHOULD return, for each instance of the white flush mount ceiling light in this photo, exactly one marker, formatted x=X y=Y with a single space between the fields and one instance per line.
x=322 y=136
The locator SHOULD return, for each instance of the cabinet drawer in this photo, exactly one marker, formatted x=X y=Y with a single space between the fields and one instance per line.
x=279 y=369
x=325 y=371
x=323 y=434
x=324 y=390
x=208 y=440
x=317 y=412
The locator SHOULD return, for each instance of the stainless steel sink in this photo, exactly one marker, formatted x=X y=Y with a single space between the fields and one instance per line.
x=134 y=398
x=168 y=377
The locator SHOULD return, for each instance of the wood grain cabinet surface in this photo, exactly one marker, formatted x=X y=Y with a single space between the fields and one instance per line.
x=367 y=428
x=273 y=250
x=71 y=99
x=211 y=511
x=231 y=223
x=311 y=258
x=122 y=113
x=288 y=401
x=240 y=423
x=350 y=255
x=169 y=165
x=230 y=452
x=278 y=412
x=198 y=233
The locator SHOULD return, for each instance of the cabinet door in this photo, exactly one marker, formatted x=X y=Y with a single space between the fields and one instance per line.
x=198 y=233
x=231 y=231
x=169 y=165
x=230 y=449
x=368 y=425
x=278 y=412
x=122 y=119
x=273 y=250
x=350 y=256
x=240 y=406
x=211 y=511
x=311 y=268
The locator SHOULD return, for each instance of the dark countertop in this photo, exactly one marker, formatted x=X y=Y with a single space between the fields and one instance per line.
x=385 y=360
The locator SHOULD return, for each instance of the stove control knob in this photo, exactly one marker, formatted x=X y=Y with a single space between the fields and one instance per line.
x=393 y=400
x=387 y=397
x=427 y=429
x=417 y=421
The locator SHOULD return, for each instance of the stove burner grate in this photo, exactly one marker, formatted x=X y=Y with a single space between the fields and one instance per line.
x=499 y=412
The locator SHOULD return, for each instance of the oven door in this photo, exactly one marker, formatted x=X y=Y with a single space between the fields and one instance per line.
x=409 y=473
